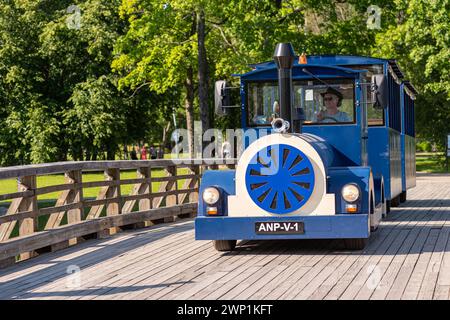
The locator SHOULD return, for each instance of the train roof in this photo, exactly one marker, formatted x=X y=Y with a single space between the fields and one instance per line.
x=410 y=89
x=298 y=71
x=336 y=60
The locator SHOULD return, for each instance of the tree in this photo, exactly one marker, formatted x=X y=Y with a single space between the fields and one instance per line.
x=421 y=44
x=158 y=52
x=51 y=66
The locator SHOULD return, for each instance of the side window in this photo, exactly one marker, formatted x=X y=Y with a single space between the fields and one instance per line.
x=375 y=117
x=263 y=103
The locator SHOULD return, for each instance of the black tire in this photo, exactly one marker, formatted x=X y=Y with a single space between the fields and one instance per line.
x=403 y=197
x=224 y=245
x=388 y=206
x=355 y=244
x=395 y=202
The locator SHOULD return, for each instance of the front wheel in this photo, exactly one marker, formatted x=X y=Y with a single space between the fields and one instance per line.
x=224 y=245
x=355 y=244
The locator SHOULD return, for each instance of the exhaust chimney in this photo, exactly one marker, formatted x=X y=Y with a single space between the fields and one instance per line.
x=284 y=58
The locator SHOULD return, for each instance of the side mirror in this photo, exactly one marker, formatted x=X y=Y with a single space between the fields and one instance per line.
x=225 y=98
x=379 y=91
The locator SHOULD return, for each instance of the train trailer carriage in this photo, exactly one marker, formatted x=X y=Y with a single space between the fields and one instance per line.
x=333 y=148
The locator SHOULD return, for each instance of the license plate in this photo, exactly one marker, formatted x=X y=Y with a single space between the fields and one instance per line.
x=280 y=227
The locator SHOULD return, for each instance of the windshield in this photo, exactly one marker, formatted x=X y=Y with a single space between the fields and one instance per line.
x=322 y=104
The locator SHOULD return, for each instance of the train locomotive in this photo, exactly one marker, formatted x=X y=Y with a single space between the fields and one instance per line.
x=334 y=151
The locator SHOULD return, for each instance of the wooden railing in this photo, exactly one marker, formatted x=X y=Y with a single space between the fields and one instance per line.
x=161 y=191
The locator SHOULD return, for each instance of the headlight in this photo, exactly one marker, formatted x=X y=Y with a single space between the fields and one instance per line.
x=211 y=195
x=350 y=193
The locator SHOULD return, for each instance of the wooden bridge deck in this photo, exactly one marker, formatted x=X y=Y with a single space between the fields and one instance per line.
x=407 y=258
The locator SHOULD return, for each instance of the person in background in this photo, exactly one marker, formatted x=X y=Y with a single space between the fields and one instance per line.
x=133 y=154
x=161 y=152
x=153 y=153
x=144 y=153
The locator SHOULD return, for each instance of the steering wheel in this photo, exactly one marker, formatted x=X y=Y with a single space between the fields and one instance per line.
x=331 y=118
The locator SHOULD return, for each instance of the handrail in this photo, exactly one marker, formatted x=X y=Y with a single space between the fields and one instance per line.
x=74 y=218
x=61 y=167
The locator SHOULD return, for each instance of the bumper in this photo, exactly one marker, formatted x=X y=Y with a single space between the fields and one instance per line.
x=316 y=227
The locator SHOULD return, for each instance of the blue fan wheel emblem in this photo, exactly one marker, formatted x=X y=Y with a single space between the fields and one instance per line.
x=280 y=179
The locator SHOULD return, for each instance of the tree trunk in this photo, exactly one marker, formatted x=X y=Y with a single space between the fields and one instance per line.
x=125 y=152
x=189 y=103
x=202 y=73
x=164 y=136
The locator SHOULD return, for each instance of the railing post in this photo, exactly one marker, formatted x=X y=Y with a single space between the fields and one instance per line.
x=145 y=204
x=113 y=208
x=171 y=200
x=29 y=225
x=76 y=196
x=192 y=196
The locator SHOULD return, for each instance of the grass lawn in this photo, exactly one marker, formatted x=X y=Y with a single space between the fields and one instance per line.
x=430 y=162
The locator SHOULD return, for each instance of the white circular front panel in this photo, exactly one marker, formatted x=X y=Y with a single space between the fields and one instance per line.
x=242 y=205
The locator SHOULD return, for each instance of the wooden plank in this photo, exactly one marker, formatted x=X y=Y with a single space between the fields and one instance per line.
x=171 y=200
x=16 y=205
x=39 y=240
x=355 y=277
x=147 y=273
x=75 y=215
x=136 y=263
x=145 y=203
x=159 y=233
x=56 y=188
x=67 y=207
x=215 y=262
x=206 y=270
x=17 y=216
x=95 y=184
x=406 y=270
x=142 y=243
x=163 y=188
x=61 y=167
x=432 y=272
x=172 y=193
x=107 y=264
x=176 y=178
x=238 y=273
x=267 y=273
x=100 y=202
x=280 y=284
x=190 y=184
x=365 y=272
x=15 y=195
x=418 y=274
x=96 y=210
x=141 y=180
x=140 y=191
x=55 y=219
x=442 y=291
x=28 y=226
x=415 y=281
x=383 y=267
x=390 y=267
x=182 y=281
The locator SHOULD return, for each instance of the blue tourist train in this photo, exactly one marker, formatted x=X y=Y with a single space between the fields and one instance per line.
x=334 y=151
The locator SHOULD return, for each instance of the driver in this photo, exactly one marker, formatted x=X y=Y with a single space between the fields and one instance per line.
x=332 y=100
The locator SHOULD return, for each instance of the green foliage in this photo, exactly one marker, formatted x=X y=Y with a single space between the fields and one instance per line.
x=421 y=44
x=82 y=92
